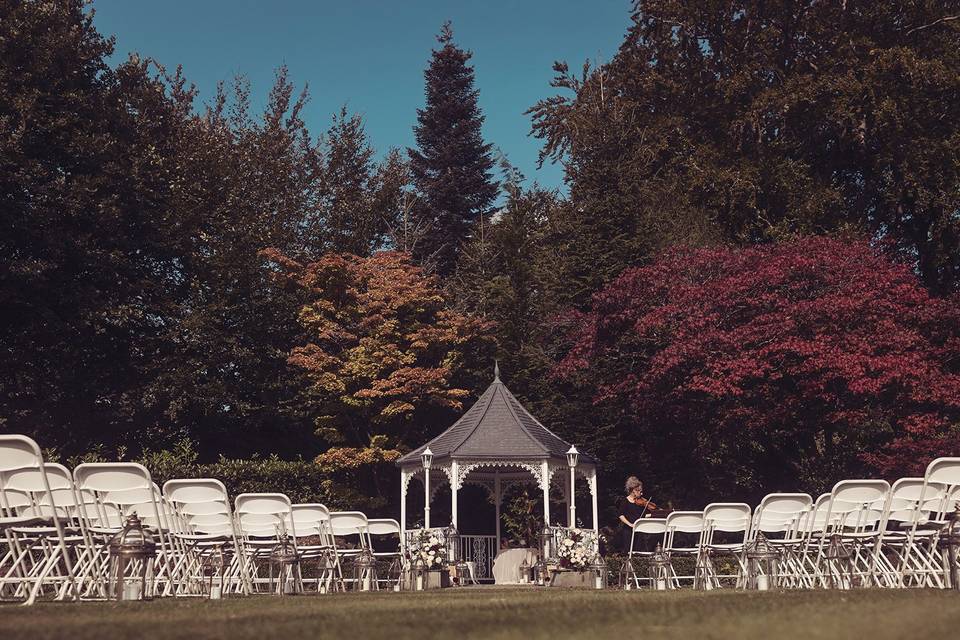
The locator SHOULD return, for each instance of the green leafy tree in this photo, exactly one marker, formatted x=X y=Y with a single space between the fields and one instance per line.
x=92 y=273
x=451 y=166
x=750 y=121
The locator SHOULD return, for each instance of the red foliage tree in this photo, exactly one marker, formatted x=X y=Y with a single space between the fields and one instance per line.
x=777 y=367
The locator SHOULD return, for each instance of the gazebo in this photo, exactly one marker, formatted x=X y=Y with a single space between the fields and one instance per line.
x=496 y=442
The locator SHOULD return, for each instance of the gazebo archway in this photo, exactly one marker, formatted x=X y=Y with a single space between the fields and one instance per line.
x=496 y=442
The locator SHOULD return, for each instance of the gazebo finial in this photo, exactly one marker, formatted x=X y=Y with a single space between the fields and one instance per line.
x=496 y=370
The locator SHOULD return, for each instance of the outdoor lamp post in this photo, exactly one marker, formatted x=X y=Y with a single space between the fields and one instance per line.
x=763 y=564
x=573 y=457
x=659 y=569
x=132 y=551
x=839 y=563
x=427 y=459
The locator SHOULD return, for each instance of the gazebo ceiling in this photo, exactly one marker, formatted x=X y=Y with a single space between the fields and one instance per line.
x=497 y=427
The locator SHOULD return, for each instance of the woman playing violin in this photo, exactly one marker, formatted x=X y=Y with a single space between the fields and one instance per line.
x=632 y=507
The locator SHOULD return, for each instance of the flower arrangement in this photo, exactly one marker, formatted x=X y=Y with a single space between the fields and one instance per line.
x=576 y=549
x=429 y=550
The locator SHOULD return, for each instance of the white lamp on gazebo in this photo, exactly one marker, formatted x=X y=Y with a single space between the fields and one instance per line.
x=573 y=457
x=427 y=459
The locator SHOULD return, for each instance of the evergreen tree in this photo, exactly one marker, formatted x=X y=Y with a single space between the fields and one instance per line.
x=451 y=167
x=361 y=201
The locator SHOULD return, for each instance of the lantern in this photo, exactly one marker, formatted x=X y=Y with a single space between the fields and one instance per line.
x=546 y=543
x=452 y=543
x=132 y=551
x=839 y=563
x=627 y=574
x=419 y=573
x=523 y=573
x=283 y=564
x=365 y=570
x=540 y=573
x=763 y=564
x=215 y=565
x=659 y=569
x=599 y=567
x=949 y=542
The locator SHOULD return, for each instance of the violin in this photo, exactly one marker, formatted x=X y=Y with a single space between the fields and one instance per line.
x=648 y=504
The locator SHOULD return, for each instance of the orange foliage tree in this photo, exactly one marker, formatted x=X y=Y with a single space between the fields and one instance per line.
x=389 y=363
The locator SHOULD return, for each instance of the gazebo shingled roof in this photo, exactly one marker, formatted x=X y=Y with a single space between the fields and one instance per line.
x=497 y=427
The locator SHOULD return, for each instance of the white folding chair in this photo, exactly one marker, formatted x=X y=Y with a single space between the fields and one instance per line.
x=350 y=530
x=726 y=529
x=204 y=524
x=856 y=516
x=387 y=532
x=689 y=526
x=127 y=486
x=39 y=559
x=263 y=521
x=781 y=518
x=643 y=534
x=316 y=545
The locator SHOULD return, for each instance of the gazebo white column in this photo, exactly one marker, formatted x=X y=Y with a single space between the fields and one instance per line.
x=404 y=481
x=497 y=496
x=545 y=476
x=593 y=495
x=454 y=488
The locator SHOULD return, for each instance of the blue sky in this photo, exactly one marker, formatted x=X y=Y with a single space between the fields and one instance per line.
x=371 y=54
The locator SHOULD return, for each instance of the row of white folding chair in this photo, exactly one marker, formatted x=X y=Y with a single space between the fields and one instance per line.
x=207 y=536
x=38 y=557
x=263 y=520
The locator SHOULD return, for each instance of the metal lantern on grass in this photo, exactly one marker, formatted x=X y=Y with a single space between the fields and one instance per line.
x=419 y=572
x=659 y=569
x=599 y=568
x=452 y=542
x=763 y=564
x=132 y=551
x=540 y=573
x=839 y=563
x=523 y=573
x=365 y=571
x=216 y=563
x=546 y=543
x=949 y=542
x=283 y=565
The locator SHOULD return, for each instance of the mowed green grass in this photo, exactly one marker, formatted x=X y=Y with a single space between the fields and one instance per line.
x=526 y=614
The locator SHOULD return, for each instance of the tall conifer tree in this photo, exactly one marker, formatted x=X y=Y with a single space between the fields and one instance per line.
x=452 y=166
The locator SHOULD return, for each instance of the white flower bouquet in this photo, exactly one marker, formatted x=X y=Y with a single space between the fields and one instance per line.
x=576 y=549
x=430 y=551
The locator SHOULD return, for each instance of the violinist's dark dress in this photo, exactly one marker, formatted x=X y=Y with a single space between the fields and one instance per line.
x=631 y=512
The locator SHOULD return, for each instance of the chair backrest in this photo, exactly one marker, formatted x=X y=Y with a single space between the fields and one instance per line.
x=385 y=531
x=312 y=520
x=782 y=513
x=912 y=499
x=350 y=523
x=263 y=515
x=859 y=504
x=644 y=527
x=201 y=505
x=726 y=517
x=683 y=522
x=126 y=486
x=945 y=471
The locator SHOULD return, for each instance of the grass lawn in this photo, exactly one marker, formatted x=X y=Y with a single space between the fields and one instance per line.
x=525 y=614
